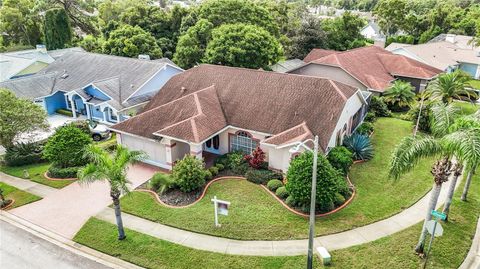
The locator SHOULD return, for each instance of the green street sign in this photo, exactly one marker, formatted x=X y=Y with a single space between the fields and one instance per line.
x=438 y=215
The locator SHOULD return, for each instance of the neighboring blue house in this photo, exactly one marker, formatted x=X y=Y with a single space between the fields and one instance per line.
x=104 y=88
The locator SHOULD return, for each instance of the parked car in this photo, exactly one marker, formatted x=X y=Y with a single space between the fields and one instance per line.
x=98 y=131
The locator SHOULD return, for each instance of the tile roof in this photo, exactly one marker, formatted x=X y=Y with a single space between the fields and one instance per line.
x=257 y=100
x=376 y=67
x=300 y=132
x=285 y=66
x=317 y=54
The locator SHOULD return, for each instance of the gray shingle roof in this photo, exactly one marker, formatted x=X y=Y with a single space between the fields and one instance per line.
x=118 y=77
x=287 y=65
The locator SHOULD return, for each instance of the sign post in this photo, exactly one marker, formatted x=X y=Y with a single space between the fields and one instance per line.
x=220 y=207
x=435 y=229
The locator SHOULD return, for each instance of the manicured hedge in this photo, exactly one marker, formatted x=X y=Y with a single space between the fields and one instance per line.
x=274 y=184
x=58 y=172
x=261 y=176
x=64 y=112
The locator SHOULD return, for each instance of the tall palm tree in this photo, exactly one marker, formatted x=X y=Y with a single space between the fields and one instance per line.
x=450 y=86
x=463 y=144
x=112 y=168
x=399 y=95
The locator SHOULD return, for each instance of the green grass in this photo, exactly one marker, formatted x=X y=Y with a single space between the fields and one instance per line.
x=20 y=197
x=396 y=251
x=255 y=215
x=150 y=252
x=393 y=252
x=475 y=84
x=466 y=108
x=36 y=172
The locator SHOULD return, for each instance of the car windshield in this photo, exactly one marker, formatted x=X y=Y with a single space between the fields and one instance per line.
x=93 y=124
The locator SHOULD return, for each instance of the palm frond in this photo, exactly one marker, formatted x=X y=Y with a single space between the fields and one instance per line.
x=410 y=151
x=443 y=116
x=465 y=145
x=90 y=173
x=97 y=155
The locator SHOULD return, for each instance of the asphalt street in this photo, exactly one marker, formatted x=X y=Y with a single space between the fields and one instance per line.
x=20 y=249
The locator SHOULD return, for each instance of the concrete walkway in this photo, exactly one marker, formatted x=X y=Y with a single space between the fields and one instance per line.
x=472 y=261
x=408 y=217
x=66 y=210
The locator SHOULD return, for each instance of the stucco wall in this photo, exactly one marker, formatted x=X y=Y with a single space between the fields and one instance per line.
x=278 y=159
x=224 y=141
x=54 y=102
x=330 y=72
x=179 y=150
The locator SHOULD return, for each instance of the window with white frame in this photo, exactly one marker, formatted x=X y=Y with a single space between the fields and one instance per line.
x=242 y=141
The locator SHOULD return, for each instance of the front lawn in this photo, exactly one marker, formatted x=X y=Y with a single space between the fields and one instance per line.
x=36 y=172
x=475 y=83
x=466 y=108
x=394 y=252
x=150 y=252
x=255 y=215
x=20 y=197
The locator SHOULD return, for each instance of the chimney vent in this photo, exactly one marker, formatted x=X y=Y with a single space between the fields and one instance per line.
x=41 y=48
x=144 y=57
x=183 y=89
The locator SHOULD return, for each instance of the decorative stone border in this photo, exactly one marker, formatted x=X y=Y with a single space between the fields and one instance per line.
x=9 y=205
x=155 y=195
x=54 y=178
x=157 y=198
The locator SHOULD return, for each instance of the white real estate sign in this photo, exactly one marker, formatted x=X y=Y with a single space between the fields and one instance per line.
x=220 y=207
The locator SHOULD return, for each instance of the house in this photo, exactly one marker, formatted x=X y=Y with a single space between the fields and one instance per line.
x=446 y=52
x=372 y=31
x=368 y=68
x=27 y=62
x=285 y=66
x=104 y=88
x=212 y=109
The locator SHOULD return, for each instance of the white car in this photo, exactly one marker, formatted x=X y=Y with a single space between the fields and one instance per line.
x=98 y=131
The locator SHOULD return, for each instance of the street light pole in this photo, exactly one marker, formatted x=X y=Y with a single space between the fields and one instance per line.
x=312 y=205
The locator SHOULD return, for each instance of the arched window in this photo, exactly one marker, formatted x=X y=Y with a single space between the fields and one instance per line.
x=242 y=141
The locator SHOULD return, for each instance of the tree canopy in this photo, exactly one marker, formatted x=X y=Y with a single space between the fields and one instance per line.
x=58 y=33
x=18 y=116
x=131 y=41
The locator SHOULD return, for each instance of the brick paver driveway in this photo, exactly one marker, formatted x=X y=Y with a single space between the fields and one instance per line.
x=65 y=211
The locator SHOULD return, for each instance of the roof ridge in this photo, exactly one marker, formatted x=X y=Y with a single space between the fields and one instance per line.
x=180 y=98
x=194 y=128
x=338 y=90
x=116 y=57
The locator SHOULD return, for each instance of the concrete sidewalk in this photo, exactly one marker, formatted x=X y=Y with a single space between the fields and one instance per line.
x=65 y=211
x=408 y=217
x=472 y=261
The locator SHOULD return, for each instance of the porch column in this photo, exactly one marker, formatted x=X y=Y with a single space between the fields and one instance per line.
x=168 y=151
x=104 y=114
x=72 y=105
x=196 y=150
x=87 y=107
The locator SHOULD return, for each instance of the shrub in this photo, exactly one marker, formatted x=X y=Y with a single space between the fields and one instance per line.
x=339 y=199
x=360 y=146
x=63 y=172
x=282 y=192
x=340 y=158
x=66 y=147
x=256 y=159
x=189 y=173
x=240 y=169
x=213 y=170
x=23 y=154
x=290 y=201
x=261 y=176
x=110 y=145
x=370 y=117
x=365 y=128
x=234 y=160
x=161 y=182
x=299 y=183
x=208 y=175
x=64 y=112
x=80 y=124
x=379 y=107
x=274 y=184
x=220 y=167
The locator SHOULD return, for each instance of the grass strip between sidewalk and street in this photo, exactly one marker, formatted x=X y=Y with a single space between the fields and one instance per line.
x=20 y=197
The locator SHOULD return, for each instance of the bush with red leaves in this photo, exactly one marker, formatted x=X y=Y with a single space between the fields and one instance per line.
x=256 y=159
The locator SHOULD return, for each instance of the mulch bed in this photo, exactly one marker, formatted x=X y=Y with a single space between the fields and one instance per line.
x=176 y=197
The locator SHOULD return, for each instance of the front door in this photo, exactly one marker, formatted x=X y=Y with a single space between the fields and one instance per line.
x=212 y=145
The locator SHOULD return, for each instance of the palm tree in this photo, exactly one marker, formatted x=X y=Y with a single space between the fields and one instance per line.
x=463 y=144
x=447 y=87
x=112 y=168
x=399 y=95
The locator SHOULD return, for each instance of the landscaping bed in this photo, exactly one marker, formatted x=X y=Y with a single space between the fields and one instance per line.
x=18 y=196
x=36 y=174
x=256 y=215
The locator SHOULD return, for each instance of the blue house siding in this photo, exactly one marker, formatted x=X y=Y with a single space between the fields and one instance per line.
x=95 y=112
x=469 y=68
x=158 y=80
x=54 y=102
x=96 y=93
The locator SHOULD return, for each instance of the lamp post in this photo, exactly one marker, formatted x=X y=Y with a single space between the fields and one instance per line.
x=312 y=196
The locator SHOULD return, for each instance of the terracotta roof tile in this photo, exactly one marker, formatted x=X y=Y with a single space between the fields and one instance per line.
x=317 y=54
x=300 y=132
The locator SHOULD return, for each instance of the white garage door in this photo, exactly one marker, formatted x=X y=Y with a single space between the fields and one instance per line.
x=154 y=150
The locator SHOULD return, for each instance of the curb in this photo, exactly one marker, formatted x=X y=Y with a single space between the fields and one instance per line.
x=65 y=243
